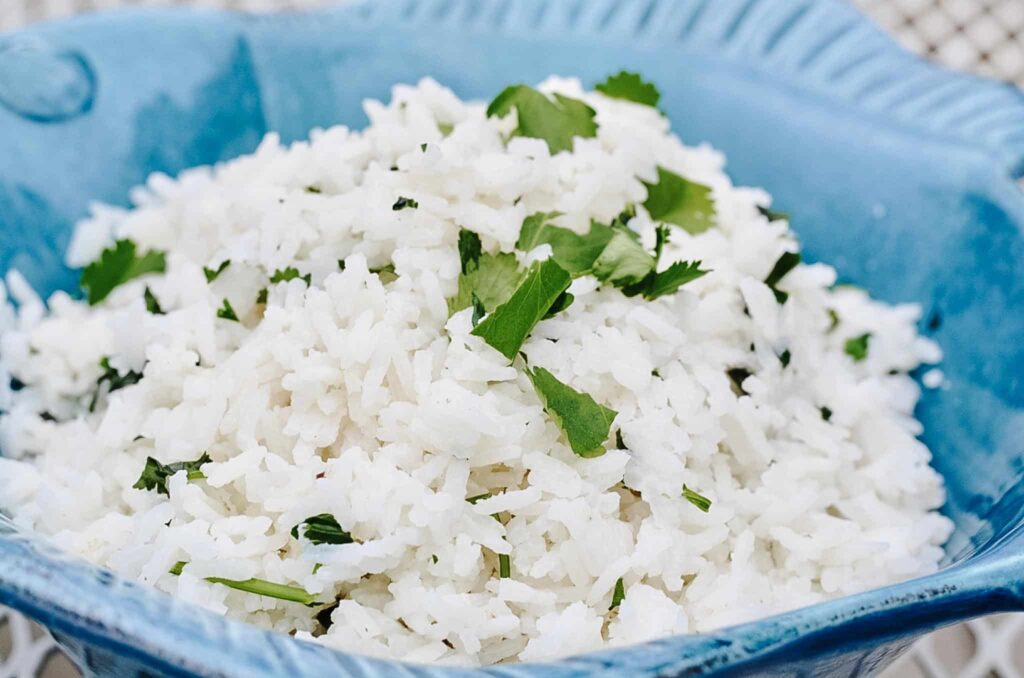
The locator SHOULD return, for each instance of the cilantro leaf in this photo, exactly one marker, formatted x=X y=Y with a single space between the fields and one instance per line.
x=680 y=201
x=445 y=128
x=154 y=475
x=504 y=566
x=261 y=296
x=479 y=497
x=290 y=273
x=152 y=304
x=492 y=282
x=573 y=252
x=213 y=273
x=698 y=500
x=313 y=189
x=772 y=215
x=672 y=278
x=260 y=587
x=479 y=311
x=322 y=529
x=624 y=261
x=385 y=273
x=785 y=358
x=857 y=348
x=507 y=327
x=786 y=263
x=118 y=265
x=631 y=87
x=469 y=250
x=563 y=302
x=585 y=423
x=555 y=120
x=618 y=595
x=404 y=203
x=826 y=413
x=114 y=379
x=227 y=312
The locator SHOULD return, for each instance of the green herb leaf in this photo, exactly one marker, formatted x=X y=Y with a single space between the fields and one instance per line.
x=507 y=327
x=698 y=500
x=672 y=278
x=404 y=203
x=772 y=215
x=114 y=380
x=469 y=250
x=227 y=312
x=618 y=595
x=178 y=568
x=563 y=302
x=313 y=189
x=680 y=201
x=786 y=263
x=478 y=309
x=479 y=497
x=737 y=375
x=290 y=273
x=785 y=358
x=213 y=273
x=826 y=413
x=857 y=348
x=261 y=296
x=260 y=587
x=504 y=566
x=631 y=87
x=586 y=423
x=445 y=128
x=385 y=273
x=573 y=252
x=492 y=282
x=661 y=236
x=154 y=475
x=624 y=262
x=322 y=529
x=555 y=120
x=118 y=265
x=152 y=304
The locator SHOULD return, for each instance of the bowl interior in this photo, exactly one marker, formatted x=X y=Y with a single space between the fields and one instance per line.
x=900 y=190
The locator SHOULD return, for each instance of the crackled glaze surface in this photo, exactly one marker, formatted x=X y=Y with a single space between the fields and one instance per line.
x=898 y=173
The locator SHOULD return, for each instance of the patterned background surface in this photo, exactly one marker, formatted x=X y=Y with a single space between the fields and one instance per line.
x=983 y=36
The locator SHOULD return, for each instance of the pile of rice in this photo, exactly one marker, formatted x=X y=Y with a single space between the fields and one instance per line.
x=358 y=396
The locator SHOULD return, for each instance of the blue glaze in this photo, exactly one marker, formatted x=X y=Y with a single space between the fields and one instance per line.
x=900 y=174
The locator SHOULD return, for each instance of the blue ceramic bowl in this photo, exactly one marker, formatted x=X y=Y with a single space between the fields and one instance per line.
x=900 y=174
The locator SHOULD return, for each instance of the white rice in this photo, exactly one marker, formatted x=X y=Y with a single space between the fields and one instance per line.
x=366 y=401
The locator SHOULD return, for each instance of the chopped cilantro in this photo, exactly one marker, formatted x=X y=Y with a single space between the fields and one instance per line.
x=154 y=474
x=556 y=120
x=260 y=587
x=680 y=201
x=507 y=327
x=857 y=348
x=261 y=296
x=772 y=215
x=631 y=87
x=623 y=262
x=661 y=236
x=313 y=189
x=672 y=278
x=290 y=273
x=227 y=312
x=785 y=358
x=492 y=282
x=479 y=497
x=833 y=319
x=114 y=379
x=826 y=413
x=585 y=423
x=152 y=304
x=504 y=566
x=445 y=128
x=469 y=251
x=322 y=529
x=404 y=203
x=698 y=500
x=620 y=444
x=619 y=594
x=423 y=147
x=786 y=263
x=385 y=273
x=116 y=265
x=213 y=273
x=573 y=252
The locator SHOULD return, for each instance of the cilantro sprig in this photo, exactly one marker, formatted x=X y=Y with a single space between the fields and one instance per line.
x=619 y=594
x=322 y=529
x=214 y=273
x=113 y=379
x=631 y=87
x=677 y=200
x=585 y=423
x=154 y=474
x=508 y=326
x=117 y=265
x=556 y=119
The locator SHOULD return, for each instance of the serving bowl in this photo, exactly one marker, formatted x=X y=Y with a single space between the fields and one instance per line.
x=900 y=174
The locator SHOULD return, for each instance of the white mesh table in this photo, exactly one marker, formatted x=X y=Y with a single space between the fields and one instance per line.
x=983 y=36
